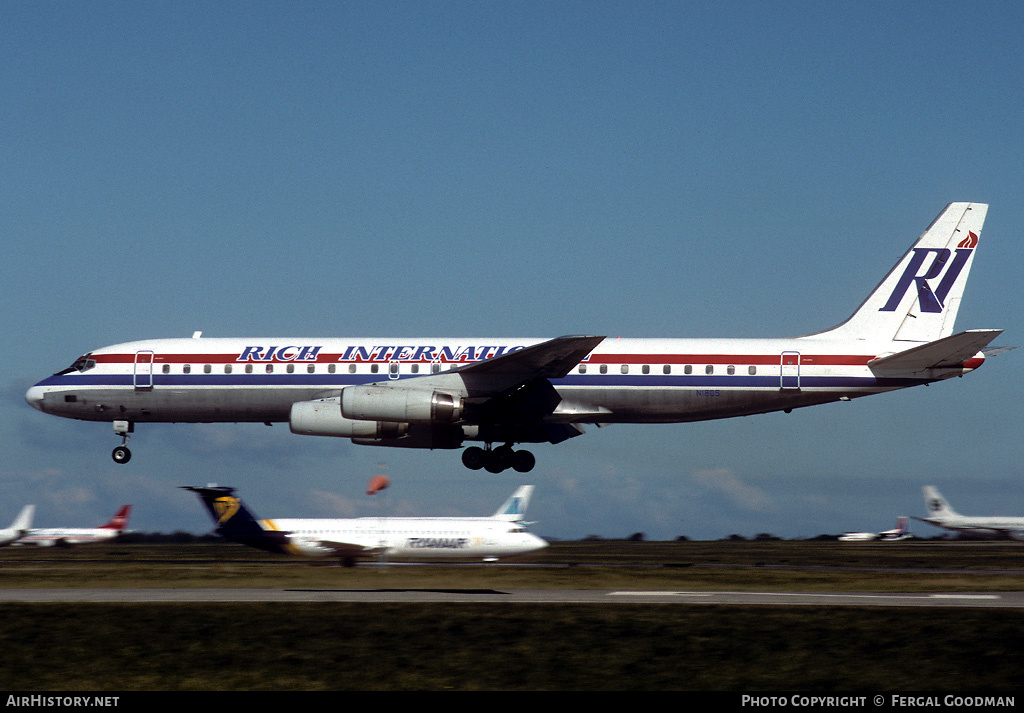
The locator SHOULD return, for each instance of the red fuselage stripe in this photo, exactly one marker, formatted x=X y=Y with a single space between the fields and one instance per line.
x=322 y=358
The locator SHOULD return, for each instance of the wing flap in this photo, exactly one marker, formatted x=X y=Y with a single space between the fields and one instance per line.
x=349 y=548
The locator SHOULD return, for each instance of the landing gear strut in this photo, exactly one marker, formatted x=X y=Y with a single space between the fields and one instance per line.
x=121 y=454
x=498 y=459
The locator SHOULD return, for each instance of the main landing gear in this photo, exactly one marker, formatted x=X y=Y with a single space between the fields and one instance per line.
x=498 y=459
x=121 y=454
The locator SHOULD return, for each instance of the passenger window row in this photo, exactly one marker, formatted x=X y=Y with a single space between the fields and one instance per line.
x=393 y=368
x=666 y=369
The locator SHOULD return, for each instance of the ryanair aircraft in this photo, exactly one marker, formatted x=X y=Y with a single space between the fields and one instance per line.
x=433 y=393
x=407 y=538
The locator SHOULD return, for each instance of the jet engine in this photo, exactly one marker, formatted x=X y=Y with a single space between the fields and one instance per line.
x=322 y=417
x=385 y=403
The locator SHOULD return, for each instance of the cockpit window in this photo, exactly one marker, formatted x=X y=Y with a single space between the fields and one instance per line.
x=82 y=363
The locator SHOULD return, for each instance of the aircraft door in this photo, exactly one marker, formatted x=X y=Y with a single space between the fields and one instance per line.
x=143 y=375
x=790 y=371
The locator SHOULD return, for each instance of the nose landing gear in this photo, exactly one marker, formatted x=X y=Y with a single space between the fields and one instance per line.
x=121 y=454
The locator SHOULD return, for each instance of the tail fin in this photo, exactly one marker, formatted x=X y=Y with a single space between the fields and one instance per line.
x=514 y=509
x=919 y=299
x=936 y=505
x=227 y=511
x=234 y=521
x=24 y=520
x=120 y=519
x=900 y=532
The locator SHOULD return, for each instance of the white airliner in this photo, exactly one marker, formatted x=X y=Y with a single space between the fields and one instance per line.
x=60 y=536
x=19 y=527
x=408 y=538
x=942 y=515
x=895 y=535
x=432 y=393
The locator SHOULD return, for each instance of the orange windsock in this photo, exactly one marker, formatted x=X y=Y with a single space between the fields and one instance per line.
x=377 y=483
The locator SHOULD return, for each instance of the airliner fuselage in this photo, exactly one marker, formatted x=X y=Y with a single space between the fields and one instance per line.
x=623 y=381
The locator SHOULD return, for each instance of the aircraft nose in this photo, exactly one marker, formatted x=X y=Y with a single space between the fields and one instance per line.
x=34 y=397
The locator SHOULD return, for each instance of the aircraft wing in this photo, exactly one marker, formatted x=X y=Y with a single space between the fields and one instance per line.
x=552 y=359
x=948 y=352
x=349 y=548
x=513 y=388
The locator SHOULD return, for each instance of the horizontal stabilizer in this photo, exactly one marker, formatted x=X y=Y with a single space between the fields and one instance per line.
x=946 y=353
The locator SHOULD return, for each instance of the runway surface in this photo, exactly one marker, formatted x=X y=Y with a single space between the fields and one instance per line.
x=1006 y=600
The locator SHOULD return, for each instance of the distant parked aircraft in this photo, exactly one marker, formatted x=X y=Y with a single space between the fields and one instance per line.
x=942 y=515
x=18 y=528
x=50 y=536
x=898 y=533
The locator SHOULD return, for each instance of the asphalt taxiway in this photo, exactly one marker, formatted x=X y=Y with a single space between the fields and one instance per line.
x=1005 y=600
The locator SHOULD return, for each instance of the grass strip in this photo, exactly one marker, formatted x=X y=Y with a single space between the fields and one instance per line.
x=272 y=646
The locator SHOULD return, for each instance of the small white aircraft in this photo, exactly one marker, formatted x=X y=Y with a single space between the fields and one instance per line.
x=942 y=515
x=437 y=393
x=407 y=538
x=19 y=527
x=894 y=535
x=62 y=536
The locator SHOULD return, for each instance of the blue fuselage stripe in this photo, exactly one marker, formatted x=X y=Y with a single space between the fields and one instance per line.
x=701 y=381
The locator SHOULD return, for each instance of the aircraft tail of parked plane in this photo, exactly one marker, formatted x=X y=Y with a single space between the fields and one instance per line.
x=411 y=538
x=938 y=507
x=441 y=393
x=61 y=536
x=900 y=532
x=941 y=514
x=19 y=527
x=514 y=509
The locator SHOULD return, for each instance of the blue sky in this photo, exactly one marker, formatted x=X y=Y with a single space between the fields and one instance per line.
x=518 y=169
